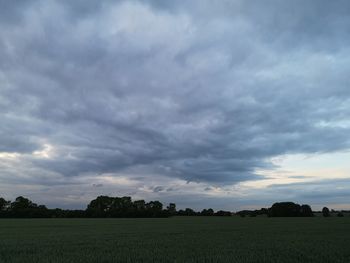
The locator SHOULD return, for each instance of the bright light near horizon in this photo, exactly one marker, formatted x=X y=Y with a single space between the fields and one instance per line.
x=294 y=168
x=319 y=165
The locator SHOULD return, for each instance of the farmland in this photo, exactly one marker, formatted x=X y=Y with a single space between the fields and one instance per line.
x=178 y=239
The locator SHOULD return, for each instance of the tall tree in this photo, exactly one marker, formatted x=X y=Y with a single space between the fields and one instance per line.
x=325 y=212
x=171 y=208
x=22 y=203
x=289 y=209
x=306 y=211
x=207 y=212
x=4 y=204
x=100 y=206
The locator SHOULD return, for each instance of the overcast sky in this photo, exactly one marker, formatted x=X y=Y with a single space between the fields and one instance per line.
x=223 y=104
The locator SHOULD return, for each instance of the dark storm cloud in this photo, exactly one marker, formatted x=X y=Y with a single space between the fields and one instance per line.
x=200 y=91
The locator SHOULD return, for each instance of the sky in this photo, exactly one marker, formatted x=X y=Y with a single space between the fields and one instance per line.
x=224 y=104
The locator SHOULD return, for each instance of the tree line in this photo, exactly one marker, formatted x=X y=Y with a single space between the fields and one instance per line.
x=114 y=207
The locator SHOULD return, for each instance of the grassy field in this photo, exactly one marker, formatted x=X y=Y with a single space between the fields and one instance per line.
x=179 y=239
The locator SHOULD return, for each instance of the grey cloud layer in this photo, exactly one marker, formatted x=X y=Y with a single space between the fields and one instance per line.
x=201 y=91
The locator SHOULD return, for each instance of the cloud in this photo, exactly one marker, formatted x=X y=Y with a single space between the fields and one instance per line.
x=201 y=92
x=157 y=189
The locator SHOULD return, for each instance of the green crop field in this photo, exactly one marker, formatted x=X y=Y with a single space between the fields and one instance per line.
x=178 y=239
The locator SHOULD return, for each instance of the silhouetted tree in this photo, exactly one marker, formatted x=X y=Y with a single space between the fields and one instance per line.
x=140 y=208
x=223 y=213
x=100 y=207
x=4 y=204
x=154 y=209
x=154 y=205
x=289 y=209
x=140 y=205
x=190 y=212
x=325 y=212
x=263 y=211
x=187 y=212
x=244 y=213
x=121 y=207
x=282 y=209
x=105 y=206
x=171 y=208
x=306 y=211
x=23 y=207
x=22 y=203
x=207 y=212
